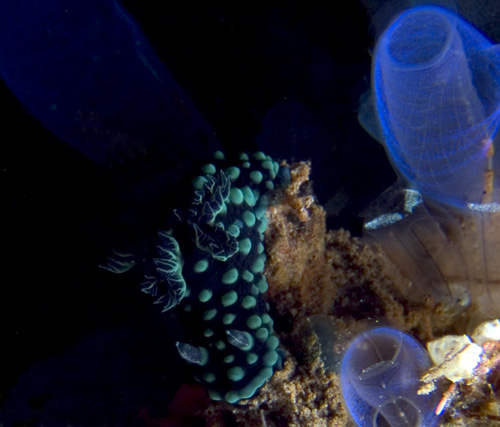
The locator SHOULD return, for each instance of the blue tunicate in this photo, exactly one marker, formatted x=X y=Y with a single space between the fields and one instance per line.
x=86 y=71
x=436 y=92
x=380 y=375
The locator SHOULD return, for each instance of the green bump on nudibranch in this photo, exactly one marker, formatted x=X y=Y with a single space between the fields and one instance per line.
x=262 y=334
x=262 y=285
x=209 y=377
x=254 y=322
x=247 y=276
x=249 y=197
x=257 y=382
x=266 y=318
x=259 y=156
x=265 y=374
x=256 y=177
x=245 y=165
x=229 y=358
x=245 y=246
x=262 y=225
x=200 y=266
x=205 y=295
x=209 y=169
x=276 y=169
x=230 y=276
x=229 y=298
x=232 y=396
x=267 y=164
x=269 y=185
x=233 y=173
x=260 y=212
x=220 y=345
x=234 y=230
x=270 y=358
x=258 y=265
x=228 y=318
x=199 y=182
x=252 y=358
x=236 y=196
x=235 y=373
x=219 y=155
x=208 y=333
x=210 y=314
x=248 y=302
x=214 y=395
x=272 y=343
x=248 y=218
x=244 y=157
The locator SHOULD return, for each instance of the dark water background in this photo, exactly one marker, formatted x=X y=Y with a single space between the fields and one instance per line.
x=81 y=346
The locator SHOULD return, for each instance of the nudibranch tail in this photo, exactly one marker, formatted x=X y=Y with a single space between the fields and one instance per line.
x=210 y=266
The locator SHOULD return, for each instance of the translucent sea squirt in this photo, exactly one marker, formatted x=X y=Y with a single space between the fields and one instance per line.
x=380 y=376
x=436 y=83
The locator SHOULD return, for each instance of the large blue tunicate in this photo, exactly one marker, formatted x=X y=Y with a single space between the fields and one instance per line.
x=436 y=90
x=86 y=71
x=380 y=376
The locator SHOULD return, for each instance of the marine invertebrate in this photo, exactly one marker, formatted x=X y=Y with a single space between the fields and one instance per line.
x=211 y=262
x=436 y=97
x=462 y=361
x=436 y=93
x=72 y=66
x=380 y=376
x=210 y=265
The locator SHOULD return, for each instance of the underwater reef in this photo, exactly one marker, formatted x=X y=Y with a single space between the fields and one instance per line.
x=246 y=293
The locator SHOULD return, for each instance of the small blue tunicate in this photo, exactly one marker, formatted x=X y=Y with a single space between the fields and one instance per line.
x=380 y=375
x=436 y=95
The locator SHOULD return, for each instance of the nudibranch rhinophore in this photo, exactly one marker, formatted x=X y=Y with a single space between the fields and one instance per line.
x=210 y=267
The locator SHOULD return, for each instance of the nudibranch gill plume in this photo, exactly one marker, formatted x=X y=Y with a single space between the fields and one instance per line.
x=210 y=266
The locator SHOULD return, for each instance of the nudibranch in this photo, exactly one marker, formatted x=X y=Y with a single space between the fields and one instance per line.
x=210 y=267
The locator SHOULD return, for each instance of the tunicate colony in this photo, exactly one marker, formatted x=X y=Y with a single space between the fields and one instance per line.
x=435 y=96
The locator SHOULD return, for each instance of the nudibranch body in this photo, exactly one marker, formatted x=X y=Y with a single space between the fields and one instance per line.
x=210 y=265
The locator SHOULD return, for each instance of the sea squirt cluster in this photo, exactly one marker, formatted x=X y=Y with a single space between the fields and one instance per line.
x=436 y=97
x=436 y=100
